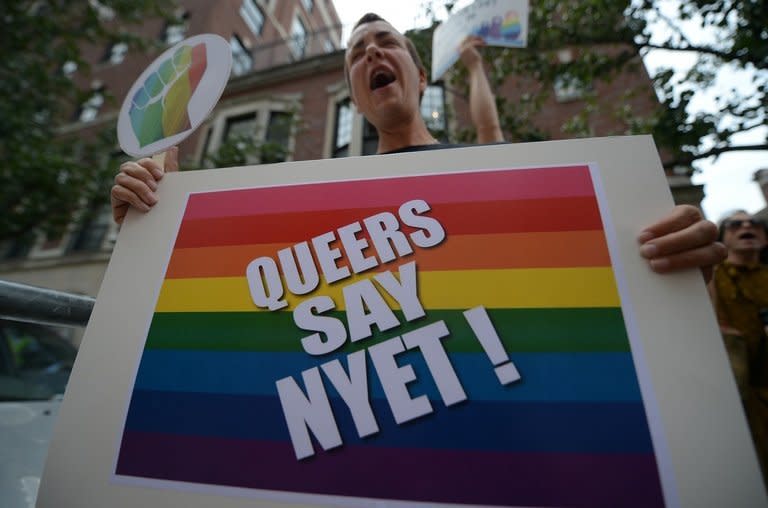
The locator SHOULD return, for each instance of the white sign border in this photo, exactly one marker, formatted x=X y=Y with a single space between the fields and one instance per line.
x=710 y=452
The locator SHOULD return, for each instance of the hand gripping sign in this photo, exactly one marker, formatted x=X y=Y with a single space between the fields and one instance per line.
x=174 y=95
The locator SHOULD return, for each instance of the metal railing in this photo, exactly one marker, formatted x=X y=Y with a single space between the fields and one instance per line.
x=31 y=304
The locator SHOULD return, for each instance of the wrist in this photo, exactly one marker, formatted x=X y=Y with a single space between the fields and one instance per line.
x=474 y=66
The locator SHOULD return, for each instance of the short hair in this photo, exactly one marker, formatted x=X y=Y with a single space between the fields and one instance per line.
x=368 y=17
x=372 y=17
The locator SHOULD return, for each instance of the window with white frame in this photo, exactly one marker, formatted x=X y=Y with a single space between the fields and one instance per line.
x=252 y=15
x=259 y=132
x=370 y=138
x=277 y=138
x=116 y=53
x=89 y=110
x=239 y=127
x=238 y=143
x=342 y=129
x=569 y=88
x=298 y=42
x=239 y=135
x=433 y=108
x=242 y=61
x=352 y=133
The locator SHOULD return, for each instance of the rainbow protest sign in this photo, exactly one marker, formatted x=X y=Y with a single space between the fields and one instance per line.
x=231 y=393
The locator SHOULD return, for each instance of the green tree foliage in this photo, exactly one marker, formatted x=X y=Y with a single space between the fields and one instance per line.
x=245 y=150
x=609 y=37
x=46 y=176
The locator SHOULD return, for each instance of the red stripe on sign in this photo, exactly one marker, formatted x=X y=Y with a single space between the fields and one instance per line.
x=489 y=217
x=473 y=186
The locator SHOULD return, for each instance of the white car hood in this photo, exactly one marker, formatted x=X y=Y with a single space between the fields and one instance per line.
x=25 y=432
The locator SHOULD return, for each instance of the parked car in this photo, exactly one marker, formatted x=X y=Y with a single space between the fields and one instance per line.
x=35 y=363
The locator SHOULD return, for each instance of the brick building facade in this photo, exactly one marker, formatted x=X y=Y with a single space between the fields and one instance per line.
x=287 y=89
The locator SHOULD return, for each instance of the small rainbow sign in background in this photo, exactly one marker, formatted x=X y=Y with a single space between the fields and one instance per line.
x=505 y=29
x=526 y=244
x=502 y=23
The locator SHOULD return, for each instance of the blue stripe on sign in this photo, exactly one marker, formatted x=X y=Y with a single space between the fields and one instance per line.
x=544 y=376
x=590 y=427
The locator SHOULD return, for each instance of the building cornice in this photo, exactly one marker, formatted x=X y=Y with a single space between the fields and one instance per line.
x=287 y=72
x=107 y=119
x=258 y=79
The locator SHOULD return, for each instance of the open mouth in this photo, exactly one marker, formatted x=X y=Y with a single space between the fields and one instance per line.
x=381 y=78
x=747 y=236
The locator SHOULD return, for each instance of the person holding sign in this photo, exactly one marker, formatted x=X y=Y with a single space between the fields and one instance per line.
x=386 y=80
x=382 y=74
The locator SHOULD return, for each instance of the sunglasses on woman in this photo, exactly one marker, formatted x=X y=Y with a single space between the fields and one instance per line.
x=734 y=224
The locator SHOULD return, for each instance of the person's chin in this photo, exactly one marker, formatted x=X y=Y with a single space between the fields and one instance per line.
x=387 y=102
x=387 y=93
x=747 y=247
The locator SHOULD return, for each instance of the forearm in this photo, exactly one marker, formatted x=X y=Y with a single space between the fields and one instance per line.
x=482 y=107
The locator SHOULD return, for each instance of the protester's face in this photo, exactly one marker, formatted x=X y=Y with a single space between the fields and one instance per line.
x=743 y=233
x=384 y=80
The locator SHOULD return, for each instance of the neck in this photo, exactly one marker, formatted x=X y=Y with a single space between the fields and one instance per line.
x=403 y=135
x=743 y=257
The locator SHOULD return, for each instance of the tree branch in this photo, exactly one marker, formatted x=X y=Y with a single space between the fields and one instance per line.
x=671 y=25
x=724 y=55
x=686 y=160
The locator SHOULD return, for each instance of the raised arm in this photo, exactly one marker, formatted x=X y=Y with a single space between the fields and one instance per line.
x=482 y=103
x=136 y=183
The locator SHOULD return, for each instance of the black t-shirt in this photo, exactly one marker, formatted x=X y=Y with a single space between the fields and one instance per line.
x=424 y=148
x=440 y=146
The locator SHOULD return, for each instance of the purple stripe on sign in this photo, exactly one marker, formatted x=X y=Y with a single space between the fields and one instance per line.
x=440 y=476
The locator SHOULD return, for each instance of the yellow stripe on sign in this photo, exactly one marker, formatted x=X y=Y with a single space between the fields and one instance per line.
x=522 y=288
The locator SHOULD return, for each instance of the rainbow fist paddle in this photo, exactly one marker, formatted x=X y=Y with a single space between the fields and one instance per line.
x=159 y=108
x=174 y=95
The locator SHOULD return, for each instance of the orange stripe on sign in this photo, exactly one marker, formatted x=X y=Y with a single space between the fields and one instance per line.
x=562 y=249
x=565 y=249
x=225 y=261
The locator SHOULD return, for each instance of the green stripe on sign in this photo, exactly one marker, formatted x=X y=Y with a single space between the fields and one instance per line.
x=523 y=330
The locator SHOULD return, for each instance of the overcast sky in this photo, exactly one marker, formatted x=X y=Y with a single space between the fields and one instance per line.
x=728 y=181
